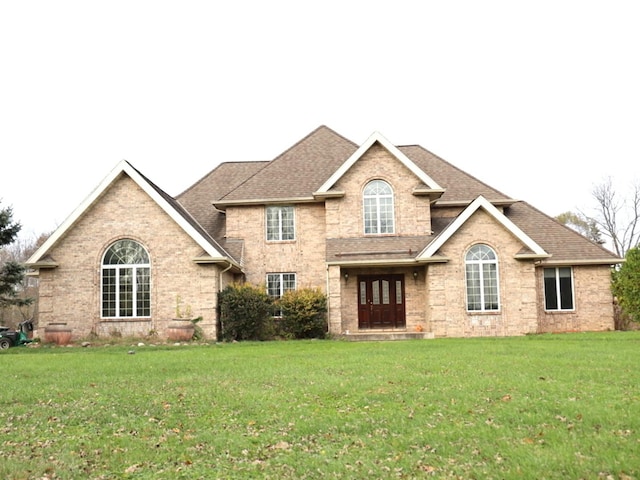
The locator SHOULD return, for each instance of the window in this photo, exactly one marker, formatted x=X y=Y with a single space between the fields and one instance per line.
x=280 y=223
x=481 y=268
x=278 y=284
x=126 y=281
x=378 y=208
x=558 y=288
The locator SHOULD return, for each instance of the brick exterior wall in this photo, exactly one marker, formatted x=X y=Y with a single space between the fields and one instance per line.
x=447 y=314
x=593 y=303
x=71 y=293
x=304 y=256
x=435 y=300
x=345 y=215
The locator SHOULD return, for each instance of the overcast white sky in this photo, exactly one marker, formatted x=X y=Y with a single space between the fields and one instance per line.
x=540 y=99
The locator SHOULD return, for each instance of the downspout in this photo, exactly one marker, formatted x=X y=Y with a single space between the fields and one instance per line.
x=220 y=276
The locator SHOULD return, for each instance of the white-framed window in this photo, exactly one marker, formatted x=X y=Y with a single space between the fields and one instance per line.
x=126 y=280
x=481 y=269
x=280 y=223
x=377 y=200
x=558 y=288
x=278 y=284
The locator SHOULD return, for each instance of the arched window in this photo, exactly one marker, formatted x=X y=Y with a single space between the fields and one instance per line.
x=481 y=267
x=378 y=208
x=126 y=281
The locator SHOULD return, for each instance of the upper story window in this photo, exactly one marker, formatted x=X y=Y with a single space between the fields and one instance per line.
x=280 y=223
x=126 y=280
x=378 y=208
x=558 y=288
x=481 y=268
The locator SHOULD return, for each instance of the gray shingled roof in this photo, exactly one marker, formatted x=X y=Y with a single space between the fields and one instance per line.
x=299 y=171
x=564 y=244
x=460 y=186
x=302 y=169
x=187 y=215
x=198 y=199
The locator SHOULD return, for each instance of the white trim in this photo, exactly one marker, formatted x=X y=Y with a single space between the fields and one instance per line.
x=482 y=280
x=392 y=149
x=461 y=219
x=556 y=270
x=280 y=231
x=123 y=167
x=378 y=209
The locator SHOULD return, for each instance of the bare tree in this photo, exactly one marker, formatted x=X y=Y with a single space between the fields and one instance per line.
x=617 y=218
x=582 y=224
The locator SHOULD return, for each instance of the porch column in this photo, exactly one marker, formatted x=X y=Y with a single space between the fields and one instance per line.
x=334 y=294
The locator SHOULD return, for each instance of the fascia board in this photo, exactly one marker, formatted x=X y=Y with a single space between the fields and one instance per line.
x=392 y=149
x=75 y=215
x=373 y=263
x=580 y=262
x=169 y=210
x=481 y=202
x=123 y=167
x=223 y=204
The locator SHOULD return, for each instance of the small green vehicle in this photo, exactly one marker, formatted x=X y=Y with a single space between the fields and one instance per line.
x=11 y=338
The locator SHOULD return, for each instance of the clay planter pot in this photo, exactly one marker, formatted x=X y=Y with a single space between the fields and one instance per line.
x=58 y=333
x=180 y=330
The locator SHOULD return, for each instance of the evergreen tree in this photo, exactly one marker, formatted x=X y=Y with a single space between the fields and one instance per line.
x=626 y=284
x=11 y=272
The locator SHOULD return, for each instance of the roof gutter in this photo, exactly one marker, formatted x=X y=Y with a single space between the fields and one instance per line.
x=206 y=260
x=581 y=262
x=223 y=204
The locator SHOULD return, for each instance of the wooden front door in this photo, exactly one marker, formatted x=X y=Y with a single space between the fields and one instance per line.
x=381 y=301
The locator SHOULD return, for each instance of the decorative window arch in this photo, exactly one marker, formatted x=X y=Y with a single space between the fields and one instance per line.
x=481 y=268
x=377 y=200
x=126 y=280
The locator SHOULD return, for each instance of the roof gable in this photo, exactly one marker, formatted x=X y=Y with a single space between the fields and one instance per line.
x=392 y=149
x=162 y=199
x=481 y=202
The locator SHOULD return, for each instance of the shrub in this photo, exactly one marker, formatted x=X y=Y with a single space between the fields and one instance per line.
x=626 y=285
x=245 y=313
x=304 y=313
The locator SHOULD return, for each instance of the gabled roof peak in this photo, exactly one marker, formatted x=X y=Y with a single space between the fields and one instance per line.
x=481 y=202
x=162 y=199
x=377 y=137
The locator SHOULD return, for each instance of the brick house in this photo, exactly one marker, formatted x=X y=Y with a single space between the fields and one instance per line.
x=401 y=241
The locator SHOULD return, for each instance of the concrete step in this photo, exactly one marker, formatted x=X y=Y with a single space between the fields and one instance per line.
x=385 y=335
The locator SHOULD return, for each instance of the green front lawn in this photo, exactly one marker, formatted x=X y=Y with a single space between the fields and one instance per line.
x=550 y=406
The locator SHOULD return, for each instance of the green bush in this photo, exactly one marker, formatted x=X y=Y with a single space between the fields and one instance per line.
x=303 y=313
x=245 y=313
x=626 y=285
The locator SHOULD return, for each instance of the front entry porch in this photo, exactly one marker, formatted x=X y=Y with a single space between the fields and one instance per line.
x=374 y=302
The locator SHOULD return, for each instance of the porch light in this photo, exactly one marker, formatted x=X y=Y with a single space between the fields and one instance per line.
x=346 y=277
x=415 y=275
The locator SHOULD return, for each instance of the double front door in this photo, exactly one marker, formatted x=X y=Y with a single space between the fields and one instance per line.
x=381 y=301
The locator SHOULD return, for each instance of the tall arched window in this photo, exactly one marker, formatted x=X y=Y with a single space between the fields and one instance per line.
x=378 y=208
x=126 y=281
x=481 y=267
